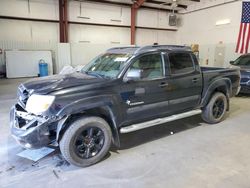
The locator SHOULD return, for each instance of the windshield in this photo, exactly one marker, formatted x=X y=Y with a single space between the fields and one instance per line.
x=106 y=65
x=243 y=61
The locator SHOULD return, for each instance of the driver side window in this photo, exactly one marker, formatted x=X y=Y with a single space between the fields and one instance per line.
x=150 y=66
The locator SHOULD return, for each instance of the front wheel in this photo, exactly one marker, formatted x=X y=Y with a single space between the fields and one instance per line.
x=215 y=110
x=86 y=141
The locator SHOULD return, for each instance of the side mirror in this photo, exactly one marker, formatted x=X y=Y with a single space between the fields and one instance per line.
x=132 y=75
x=231 y=62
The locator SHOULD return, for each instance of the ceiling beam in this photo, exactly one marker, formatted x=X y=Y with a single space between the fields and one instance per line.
x=106 y=2
x=167 y=4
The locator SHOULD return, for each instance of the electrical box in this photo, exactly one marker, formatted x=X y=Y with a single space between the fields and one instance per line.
x=172 y=20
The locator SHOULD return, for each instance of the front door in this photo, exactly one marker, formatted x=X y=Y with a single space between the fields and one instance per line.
x=146 y=98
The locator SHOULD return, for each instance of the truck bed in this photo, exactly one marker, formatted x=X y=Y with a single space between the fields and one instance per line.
x=210 y=74
x=217 y=69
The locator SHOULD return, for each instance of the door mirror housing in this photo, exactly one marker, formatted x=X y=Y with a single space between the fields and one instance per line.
x=231 y=62
x=133 y=75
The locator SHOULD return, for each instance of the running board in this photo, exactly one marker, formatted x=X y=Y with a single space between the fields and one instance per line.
x=158 y=121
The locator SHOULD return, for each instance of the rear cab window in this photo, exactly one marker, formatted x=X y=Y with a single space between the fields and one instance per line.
x=180 y=63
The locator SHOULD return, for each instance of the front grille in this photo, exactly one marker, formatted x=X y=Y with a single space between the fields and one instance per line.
x=22 y=95
x=22 y=121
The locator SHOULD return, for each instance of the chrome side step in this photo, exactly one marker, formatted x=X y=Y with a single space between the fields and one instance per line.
x=158 y=121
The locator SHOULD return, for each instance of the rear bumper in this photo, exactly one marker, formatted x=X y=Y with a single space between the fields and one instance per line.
x=29 y=131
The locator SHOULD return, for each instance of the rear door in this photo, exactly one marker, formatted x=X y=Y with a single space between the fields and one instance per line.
x=185 y=81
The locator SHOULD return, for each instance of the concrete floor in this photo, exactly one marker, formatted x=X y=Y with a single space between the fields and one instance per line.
x=196 y=155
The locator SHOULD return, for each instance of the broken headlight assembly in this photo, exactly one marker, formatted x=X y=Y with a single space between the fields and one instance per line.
x=37 y=104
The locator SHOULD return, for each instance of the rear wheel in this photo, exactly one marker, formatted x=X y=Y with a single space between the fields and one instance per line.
x=86 y=141
x=215 y=110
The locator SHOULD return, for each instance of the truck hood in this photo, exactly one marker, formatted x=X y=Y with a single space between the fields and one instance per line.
x=45 y=85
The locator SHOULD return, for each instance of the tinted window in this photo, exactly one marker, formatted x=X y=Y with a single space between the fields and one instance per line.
x=180 y=63
x=150 y=66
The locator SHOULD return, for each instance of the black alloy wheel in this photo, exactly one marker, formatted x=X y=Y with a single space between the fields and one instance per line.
x=89 y=142
x=218 y=108
x=215 y=110
x=86 y=141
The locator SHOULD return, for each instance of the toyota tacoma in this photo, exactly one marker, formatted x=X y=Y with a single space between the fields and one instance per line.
x=124 y=89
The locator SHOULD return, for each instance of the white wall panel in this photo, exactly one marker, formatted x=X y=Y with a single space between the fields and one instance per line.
x=146 y=37
x=166 y=37
x=147 y=18
x=163 y=18
x=99 y=34
x=98 y=13
x=74 y=10
x=28 y=31
x=14 y=8
x=44 y=9
x=149 y=37
x=45 y=32
x=15 y=30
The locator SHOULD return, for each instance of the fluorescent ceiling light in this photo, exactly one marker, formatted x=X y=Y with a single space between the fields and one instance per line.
x=223 y=22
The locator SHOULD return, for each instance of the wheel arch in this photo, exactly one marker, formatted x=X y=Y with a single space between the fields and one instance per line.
x=223 y=85
x=99 y=110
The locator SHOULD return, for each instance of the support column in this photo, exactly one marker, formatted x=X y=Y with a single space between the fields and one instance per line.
x=134 y=9
x=63 y=20
x=133 y=18
x=66 y=24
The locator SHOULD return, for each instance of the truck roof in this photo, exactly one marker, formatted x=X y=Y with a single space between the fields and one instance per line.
x=137 y=49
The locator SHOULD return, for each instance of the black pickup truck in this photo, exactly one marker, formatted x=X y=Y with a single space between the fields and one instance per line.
x=123 y=90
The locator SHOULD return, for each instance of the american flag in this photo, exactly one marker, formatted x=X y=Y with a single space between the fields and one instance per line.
x=244 y=34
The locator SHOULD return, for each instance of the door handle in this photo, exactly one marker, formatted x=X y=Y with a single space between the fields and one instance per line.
x=163 y=84
x=194 y=80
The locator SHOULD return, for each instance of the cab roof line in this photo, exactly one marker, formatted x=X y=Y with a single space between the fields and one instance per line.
x=122 y=48
x=163 y=47
x=136 y=49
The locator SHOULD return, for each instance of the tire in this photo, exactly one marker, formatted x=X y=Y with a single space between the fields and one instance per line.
x=215 y=110
x=86 y=141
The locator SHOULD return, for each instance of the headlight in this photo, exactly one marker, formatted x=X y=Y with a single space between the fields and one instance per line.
x=37 y=104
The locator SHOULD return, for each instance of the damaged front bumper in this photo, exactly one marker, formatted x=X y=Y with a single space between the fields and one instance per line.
x=31 y=131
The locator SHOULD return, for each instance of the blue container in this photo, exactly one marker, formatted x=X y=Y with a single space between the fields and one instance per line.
x=43 y=68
